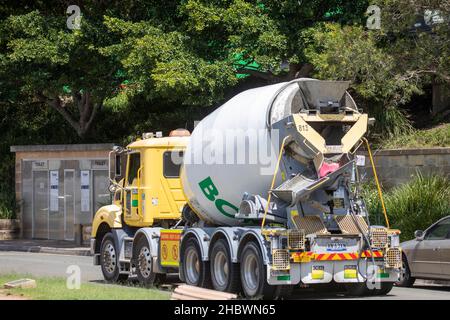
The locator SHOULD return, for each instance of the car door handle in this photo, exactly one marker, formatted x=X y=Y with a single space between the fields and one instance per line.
x=436 y=249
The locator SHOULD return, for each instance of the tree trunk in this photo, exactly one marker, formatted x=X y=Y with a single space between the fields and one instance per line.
x=87 y=110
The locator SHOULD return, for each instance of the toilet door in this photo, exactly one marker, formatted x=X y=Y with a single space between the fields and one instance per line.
x=40 y=205
x=69 y=204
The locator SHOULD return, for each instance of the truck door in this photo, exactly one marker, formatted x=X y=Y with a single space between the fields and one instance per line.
x=131 y=192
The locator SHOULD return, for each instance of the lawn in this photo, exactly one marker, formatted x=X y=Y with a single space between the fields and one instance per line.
x=56 y=289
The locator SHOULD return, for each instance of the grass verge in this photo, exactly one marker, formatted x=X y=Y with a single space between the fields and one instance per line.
x=55 y=289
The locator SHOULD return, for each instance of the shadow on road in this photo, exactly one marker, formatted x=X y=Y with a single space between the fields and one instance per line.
x=432 y=287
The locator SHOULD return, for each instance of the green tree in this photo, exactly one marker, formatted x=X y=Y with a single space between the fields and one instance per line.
x=196 y=57
x=62 y=68
x=388 y=66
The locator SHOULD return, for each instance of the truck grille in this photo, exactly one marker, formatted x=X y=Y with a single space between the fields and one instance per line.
x=393 y=258
x=280 y=259
x=296 y=239
x=378 y=238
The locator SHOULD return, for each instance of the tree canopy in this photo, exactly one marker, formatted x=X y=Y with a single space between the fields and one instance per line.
x=136 y=64
x=193 y=52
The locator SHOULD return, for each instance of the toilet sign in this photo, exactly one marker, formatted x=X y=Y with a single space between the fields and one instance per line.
x=54 y=190
x=85 y=182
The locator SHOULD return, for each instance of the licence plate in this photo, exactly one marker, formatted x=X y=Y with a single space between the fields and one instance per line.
x=336 y=246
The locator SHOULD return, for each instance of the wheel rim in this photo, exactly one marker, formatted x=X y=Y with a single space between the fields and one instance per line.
x=252 y=273
x=221 y=269
x=145 y=262
x=109 y=258
x=192 y=266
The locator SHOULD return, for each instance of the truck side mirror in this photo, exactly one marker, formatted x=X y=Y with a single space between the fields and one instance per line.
x=419 y=235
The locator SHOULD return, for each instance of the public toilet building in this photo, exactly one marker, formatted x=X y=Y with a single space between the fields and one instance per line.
x=59 y=188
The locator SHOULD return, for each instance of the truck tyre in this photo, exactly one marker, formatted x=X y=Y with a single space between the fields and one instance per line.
x=283 y=292
x=144 y=264
x=224 y=273
x=407 y=280
x=253 y=273
x=359 y=289
x=386 y=287
x=196 y=272
x=109 y=260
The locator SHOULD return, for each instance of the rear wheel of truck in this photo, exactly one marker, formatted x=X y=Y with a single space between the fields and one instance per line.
x=144 y=264
x=224 y=273
x=386 y=287
x=196 y=272
x=359 y=289
x=109 y=260
x=253 y=273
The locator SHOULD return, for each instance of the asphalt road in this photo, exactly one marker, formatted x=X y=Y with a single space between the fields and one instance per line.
x=40 y=264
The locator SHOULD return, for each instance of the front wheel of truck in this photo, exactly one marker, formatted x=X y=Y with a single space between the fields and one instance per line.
x=109 y=260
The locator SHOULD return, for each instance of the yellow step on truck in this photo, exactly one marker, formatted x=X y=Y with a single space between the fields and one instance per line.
x=263 y=196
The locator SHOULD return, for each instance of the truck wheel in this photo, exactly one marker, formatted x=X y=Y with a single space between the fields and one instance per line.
x=253 y=273
x=144 y=264
x=283 y=291
x=386 y=287
x=224 y=273
x=407 y=280
x=109 y=260
x=359 y=289
x=196 y=272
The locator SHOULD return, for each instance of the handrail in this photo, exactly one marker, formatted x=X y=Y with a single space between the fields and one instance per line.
x=273 y=183
x=380 y=193
x=139 y=191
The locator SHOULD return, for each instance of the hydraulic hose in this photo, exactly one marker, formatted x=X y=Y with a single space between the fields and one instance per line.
x=352 y=213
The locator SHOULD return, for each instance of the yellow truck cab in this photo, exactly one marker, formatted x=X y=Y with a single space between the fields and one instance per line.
x=148 y=194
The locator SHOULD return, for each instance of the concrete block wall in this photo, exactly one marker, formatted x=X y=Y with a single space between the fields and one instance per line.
x=397 y=166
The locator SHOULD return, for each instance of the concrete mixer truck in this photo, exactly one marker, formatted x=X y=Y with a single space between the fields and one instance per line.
x=263 y=196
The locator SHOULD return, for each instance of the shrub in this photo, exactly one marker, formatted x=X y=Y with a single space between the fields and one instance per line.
x=412 y=206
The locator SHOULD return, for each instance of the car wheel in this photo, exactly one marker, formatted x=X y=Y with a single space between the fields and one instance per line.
x=407 y=280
